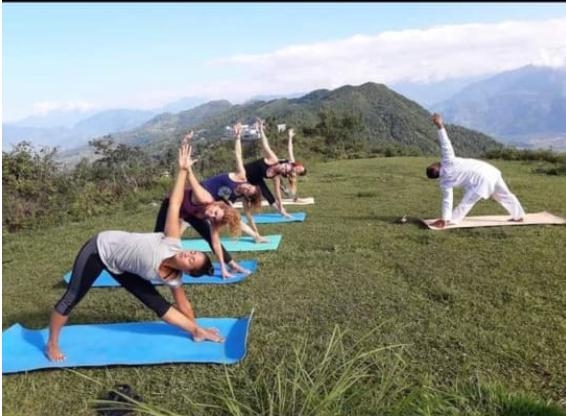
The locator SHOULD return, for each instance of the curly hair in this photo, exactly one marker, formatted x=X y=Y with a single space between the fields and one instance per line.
x=231 y=218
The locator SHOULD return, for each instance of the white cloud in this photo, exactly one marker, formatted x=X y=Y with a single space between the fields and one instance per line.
x=44 y=107
x=418 y=55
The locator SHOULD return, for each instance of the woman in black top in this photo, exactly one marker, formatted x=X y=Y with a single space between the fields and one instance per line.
x=270 y=167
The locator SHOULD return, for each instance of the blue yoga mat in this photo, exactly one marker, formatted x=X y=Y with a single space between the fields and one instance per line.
x=275 y=218
x=240 y=244
x=104 y=279
x=133 y=343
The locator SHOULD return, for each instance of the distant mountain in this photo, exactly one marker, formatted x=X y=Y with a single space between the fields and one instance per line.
x=52 y=136
x=101 y=123
x=166 y=126
x=525 y=106
x=388 y=119
x=182 y=104
x=431 y=93
x=112 y=121
x=54 y=118
x=256 y=98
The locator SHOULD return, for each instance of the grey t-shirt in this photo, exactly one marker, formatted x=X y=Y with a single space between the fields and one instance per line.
x=137 y=253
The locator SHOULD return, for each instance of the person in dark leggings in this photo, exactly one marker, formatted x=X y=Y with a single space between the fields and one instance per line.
x=270 y=167
x=227 y=187
x=207 y=217
x=136 y=260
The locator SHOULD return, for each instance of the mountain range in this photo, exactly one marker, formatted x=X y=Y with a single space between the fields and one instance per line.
x=525 y=107
x=387 y=119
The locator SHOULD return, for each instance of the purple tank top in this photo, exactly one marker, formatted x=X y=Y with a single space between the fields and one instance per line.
x=221 y=187
x=189 y=209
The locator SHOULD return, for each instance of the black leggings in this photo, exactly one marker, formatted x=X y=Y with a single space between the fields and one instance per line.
x=88 y=265
x=201 y=226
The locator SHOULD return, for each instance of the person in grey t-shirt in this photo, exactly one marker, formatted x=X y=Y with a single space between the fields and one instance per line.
x=135 y=260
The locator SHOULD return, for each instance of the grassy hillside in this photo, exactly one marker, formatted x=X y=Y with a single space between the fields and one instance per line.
x=475 y=318
x=385 y=119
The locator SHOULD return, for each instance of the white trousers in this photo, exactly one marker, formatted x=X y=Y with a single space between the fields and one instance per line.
x=501 y=194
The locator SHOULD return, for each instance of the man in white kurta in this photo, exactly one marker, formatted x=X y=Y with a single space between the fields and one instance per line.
x=479 y=179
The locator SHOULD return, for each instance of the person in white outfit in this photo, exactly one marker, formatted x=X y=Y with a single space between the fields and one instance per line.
x=479 y=179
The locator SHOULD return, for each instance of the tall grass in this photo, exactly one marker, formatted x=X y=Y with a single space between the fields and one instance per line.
x=334 y=381
x=480 y=312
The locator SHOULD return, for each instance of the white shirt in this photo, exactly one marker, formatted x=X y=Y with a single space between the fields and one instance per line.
x=475 y=176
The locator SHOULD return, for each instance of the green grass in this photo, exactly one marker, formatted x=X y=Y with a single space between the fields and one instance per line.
x=481 y=313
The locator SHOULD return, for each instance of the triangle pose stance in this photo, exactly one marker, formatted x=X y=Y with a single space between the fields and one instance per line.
x=209 y=212
x=136 y=259
x=271 y=167
x=479 y=179
x=291 y=190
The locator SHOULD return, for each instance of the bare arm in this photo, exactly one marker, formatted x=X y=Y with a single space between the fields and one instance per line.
x=267 y=152
x=217 y=249
x=174 y=317
x=251 y=228
x=290 y=146
x=173 y=227
x=278 y=198
x=201 y=194
x=240 y=170
x=182 y=303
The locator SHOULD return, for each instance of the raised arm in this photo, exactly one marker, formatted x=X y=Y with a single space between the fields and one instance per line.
x=267 y=152
x=446 y=150
x=173 y=227
x=240 y=169
x=290 y=146
x=201 y=194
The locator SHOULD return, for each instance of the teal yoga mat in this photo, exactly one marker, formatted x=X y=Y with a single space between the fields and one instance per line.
x=106 y=280
x=133 y=343
x=240 y=244
x=276 y=218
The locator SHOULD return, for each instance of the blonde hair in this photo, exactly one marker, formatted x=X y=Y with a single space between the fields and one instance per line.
x=231 y=218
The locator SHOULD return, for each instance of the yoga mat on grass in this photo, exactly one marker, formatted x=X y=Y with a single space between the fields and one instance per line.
x=275 y=218
x=132 y=343
x=500 y=220
x=105 y=279
x=286 y=201
x=245 y=243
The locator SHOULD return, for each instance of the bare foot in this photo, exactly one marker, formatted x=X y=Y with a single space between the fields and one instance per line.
x=54 y=353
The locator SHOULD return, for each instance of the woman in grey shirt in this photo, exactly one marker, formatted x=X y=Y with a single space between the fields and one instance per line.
x=135 y=260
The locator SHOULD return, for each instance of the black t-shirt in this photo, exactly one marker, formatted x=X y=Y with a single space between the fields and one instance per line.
x=256 y=172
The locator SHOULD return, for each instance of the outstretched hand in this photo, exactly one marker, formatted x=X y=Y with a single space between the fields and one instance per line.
x=437 y=120
x=439 y=223
x=291 y=133
x=188 y=138
x=207 y=334
x=185 y=160
x=239 y=269
x=237 y=130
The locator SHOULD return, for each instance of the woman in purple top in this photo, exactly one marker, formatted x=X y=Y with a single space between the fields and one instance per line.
x=226 y=187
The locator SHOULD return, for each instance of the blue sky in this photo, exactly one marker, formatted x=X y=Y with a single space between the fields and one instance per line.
x=144 y=55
